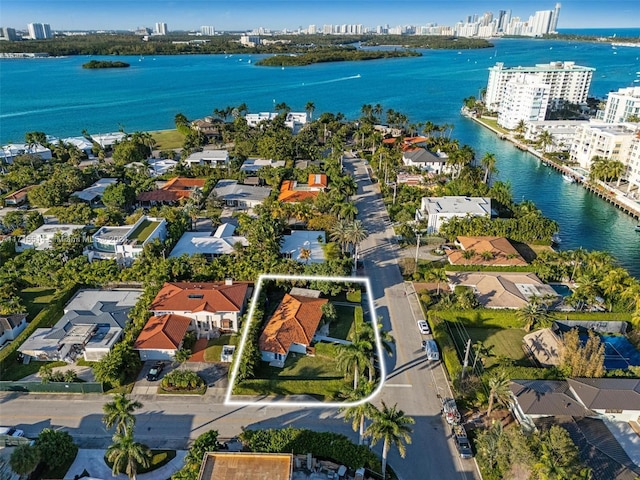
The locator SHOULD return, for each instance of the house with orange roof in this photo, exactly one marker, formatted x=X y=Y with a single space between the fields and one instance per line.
x=486 y=251
x=211 y=306
x=292 y=326
x=161 y=337
x=292 y=191
x=173 y=191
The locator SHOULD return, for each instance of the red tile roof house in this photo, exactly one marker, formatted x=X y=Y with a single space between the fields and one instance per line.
x=161 y=337
x=291 y=328
x=292 y=191
x=172 y=192
x=212 y=307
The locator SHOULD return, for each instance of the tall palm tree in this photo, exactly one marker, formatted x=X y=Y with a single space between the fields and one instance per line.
x=340 y=233
x=535 y=312
x=354 y=358
x=392 y=426
x=498 y=390
x=439 y=275
x=489 y=164
x=613 y=284
x=521 y=127
x=356 y=233
x=544 y=140
x=358 y=414
x=310 y=107
x=127 y=455
x=348 y=211
x=386 y=339
x=119 y=413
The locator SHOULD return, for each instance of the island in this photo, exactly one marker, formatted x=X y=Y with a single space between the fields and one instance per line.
x=333 y=54
x=97 y=64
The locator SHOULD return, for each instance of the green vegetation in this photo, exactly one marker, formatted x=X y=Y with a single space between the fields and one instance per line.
x=159 y=458
x=341 y=327
x=432 y=42
x=354 y=296
x=36 y=298
x=493 y=123
x=498 y=343
x=207 y=442
x=96 y=64
x=333 y=54
x=167 y=139
x=214 y=347
x=142 y=231
x=481 y=318
x=57 y=452
x=182 y=381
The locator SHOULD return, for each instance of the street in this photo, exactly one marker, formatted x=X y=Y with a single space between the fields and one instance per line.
x=413 y=382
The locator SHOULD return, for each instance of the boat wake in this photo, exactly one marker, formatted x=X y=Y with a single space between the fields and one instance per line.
x=342 y=79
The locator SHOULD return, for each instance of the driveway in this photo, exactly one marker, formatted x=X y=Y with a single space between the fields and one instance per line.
x=214 y=375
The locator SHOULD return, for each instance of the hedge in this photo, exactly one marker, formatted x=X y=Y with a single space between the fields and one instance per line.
x=529 y=373
x=482 y=317
x=47 y=316
x=483 y=268
x=445 y=342
x=328 y=445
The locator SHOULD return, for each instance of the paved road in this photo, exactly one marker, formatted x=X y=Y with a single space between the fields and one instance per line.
x=412 y=382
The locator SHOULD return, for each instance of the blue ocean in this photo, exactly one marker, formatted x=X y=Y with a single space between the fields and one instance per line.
x=57 y=96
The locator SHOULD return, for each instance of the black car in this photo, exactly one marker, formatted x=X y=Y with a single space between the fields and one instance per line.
x=155 y=371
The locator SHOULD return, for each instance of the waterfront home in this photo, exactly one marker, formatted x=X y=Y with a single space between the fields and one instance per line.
x=209 y=244
x=210 y=127
x=83 y=144
x=18 y=197
x=92 y=324
x=420 y=157
x=173 y=191
x=292 y=326
x=93 y=194
x=154 y=166
x=502 y=289
x=208 y=158
x=127 y=242
x=108 y=140
x=9 y=152
x=252 y=165
x=621 y=104
x=212 y=306
x=11 y=326
x=304 y=246
x=412 y=179
x=294 y=120
x=237 y=195
x=161 y=337
x=437 y=210
x=486 y=251
x=291 y=191
x=42 y=237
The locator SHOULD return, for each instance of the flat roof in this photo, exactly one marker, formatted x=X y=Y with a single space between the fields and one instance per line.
x=459 y=205
x=144 y=230
x=246 y=466
x=192 y=243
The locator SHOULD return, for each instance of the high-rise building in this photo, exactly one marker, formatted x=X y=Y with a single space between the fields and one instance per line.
x=621 y=105
x=161 y=28
x=207 y=30
x=312 y=30
x=39 y=31
x=525 y=99
x=554 y=19
x=604 y=140
x=567 y=81
x=8 y=34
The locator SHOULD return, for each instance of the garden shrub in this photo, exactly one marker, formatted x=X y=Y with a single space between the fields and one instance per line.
x=182 y=380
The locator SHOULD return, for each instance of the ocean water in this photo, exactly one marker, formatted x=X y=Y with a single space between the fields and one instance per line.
x=603 y=32
x=57 y=96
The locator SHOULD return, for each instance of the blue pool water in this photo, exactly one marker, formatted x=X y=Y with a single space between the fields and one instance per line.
x=619 y=353
x=561 y=289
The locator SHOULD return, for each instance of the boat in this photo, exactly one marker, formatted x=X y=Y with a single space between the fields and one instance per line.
x=568 y=178
x=555 y=238
x=637 y=228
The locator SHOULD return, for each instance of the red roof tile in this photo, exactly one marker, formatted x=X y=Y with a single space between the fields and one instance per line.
x=174 y=190
x=162 y=333
x=199 y=297
x=295 y=321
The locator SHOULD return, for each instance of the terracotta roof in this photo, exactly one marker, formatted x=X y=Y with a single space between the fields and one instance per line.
x=246 y=466
x=290 y=193
x=199 y=297
x=174 y=190
x=504 y=254
x=163 y=333
x=295 y=321
x=318 y=180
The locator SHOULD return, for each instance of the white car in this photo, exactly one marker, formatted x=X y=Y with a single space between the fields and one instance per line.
x=12 y=432
x=423 y=326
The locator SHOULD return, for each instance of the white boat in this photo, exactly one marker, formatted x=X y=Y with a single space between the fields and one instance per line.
x=568 y=178
x=555 y=238
x=637 y=228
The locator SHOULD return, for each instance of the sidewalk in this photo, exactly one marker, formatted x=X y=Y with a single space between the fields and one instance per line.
x=93 y=462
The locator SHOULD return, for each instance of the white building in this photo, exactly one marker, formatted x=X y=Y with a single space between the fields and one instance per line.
x=237 y=195
x=294 y=120
x=525 y=99
x=207 y=30
x=562 y=132
x=426 y=161
x=93 y=194
x=437 y=210
x=11 y=151
x=39 y=31
x=605 y=140
x=567 y=82
x=41 y=238
x=161 y=28
x=108 y=140
x=633 y=168
x=304 y=246
x=252 y=165
x=621 y=105
x=209 y=244
x=211 y=158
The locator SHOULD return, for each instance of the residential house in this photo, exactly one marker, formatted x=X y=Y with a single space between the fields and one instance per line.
x=291 y=191
x=18 y=197
x=416 y=154
x=617 y=399
x=161 y=337
x=292 y=326
x=154 y=166
x=209 y=244
x=294 y=120
x=211 y=306
x=499 y=252
x=246 y=466
x=208 y=158
x=108 y=140
x=173 y=191
x=81 y=143
x=42 y=237
x=209 y=127
x=11 y=151
x=125 y=243
x=238 y=195
x=304 y=246
x=93 y=194
x=92 y=324
x=11 y=326
x=411 y=179
x=252 y=165
x=438 y=210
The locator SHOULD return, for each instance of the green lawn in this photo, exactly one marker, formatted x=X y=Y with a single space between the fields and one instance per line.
x=500 y=343
x=36 y=298
x=159 y=458
x=142 y=231
x=167 y=139
x=341 y=327
x=493 y=124
x=214 y=347
x=358 y=314
x=15 y=371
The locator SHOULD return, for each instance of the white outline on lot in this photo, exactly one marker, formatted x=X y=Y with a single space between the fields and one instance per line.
x=276 y=403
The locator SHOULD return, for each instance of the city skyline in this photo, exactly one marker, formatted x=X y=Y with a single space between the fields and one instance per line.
x=286 y=14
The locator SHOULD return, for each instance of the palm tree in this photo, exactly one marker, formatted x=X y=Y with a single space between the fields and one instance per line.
x=386 y=339
x=182 y=356
x=310 y=108
x=521 y=127
x=305 y=254
x=489 y=164
x=359 y=413
x=348 y=211
x=128 y=455
x=544 y=140
x=119 y=413
x=391 y=426
x=439 y=275
x=498 y=390
x=613 y=284
x=24 y=459
x=535 y=312
x=356 y=233
x=354 y=357
x=340 y=233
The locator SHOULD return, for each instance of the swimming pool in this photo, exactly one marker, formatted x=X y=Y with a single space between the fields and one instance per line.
x=619 y=353
x=561 y=289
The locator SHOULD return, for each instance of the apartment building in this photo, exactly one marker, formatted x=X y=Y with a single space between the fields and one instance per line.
x=621 y=105
x=609 y=141
x=525 y=99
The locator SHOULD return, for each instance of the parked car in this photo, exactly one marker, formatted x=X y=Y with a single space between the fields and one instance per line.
x=155 y=371
x=462 y=441
x=423 y=326
x=12 y=432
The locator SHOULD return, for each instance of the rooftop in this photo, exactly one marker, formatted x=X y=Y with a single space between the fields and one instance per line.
x=164 y=332
x=96 y=190
x=220 y=242
x=544 y=67
x=198 y=297
x=293 y=244
x=231 y=190
x=246 y=466
x=607 y=393
x=504 y=254
x=457 y=205
x=143 y=230
x=547 y=397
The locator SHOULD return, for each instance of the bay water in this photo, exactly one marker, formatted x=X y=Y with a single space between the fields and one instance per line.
x=57 y=96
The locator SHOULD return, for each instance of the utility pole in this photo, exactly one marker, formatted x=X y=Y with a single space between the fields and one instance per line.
x=466 y=358
x=395 y=188
x=417 y=251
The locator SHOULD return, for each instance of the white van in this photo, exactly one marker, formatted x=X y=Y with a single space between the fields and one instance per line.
x=431 y=349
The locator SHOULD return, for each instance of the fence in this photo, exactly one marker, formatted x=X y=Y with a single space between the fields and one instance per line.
x=52 y=387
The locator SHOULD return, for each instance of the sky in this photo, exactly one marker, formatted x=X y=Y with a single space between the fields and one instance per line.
x=291 y=14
